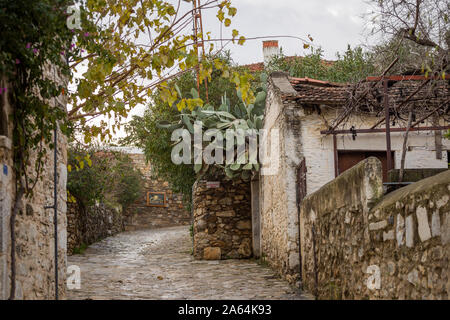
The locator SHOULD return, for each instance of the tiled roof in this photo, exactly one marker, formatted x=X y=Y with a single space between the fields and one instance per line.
x=311 y=91
x=318 y=92
x=254 y=67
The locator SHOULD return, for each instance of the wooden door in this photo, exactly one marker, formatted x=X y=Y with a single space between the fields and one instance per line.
x=347 y=159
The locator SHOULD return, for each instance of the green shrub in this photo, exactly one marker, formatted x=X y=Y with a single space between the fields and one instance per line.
x=80 y=249
x=102 y=176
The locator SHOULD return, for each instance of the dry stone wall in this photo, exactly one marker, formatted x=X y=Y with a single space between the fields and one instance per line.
x=222 y=220
x=86 y=226
x=139 y=215
x=370 y=246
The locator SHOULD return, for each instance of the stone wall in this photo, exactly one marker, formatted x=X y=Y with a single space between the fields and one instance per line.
x=222 y=220
x=370 y=246
x=86 y=226
x=139 y=215
x=34 y=227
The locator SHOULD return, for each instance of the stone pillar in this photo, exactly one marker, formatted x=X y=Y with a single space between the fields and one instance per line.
x=256 y=227
x=222 y=219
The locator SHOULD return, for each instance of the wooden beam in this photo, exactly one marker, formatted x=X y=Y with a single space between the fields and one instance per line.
x=410 y=77
x=384 y=130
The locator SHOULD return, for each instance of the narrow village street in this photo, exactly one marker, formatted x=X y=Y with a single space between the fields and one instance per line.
x=157 y=264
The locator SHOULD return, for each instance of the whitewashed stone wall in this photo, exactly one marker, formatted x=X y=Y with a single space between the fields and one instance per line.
x=278 y=207
x=34 y=228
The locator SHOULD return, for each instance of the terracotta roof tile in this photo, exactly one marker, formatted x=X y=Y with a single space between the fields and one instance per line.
x=318 y=91
x=254 y=67
x=312 y=91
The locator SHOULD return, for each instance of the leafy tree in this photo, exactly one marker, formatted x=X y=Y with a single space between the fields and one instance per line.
x=128 y=48
x=102 y=176
x=415 y=31
x=145 y=133
x=353 y=65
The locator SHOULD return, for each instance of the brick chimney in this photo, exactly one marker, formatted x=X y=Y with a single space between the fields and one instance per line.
x=270 y=49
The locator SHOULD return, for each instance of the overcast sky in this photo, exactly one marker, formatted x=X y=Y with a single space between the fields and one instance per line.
x=332 y=23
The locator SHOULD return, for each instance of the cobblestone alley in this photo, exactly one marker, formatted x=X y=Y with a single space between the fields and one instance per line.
x=157 y=264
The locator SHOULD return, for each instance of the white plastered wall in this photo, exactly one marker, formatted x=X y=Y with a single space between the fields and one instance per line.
x=319 y=154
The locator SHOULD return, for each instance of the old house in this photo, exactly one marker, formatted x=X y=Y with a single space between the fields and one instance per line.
x=328 y=204
x=312 y=152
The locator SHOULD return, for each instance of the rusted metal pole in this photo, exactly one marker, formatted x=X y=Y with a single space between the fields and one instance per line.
x=388 y=128
x=195 y=32
x=203 y=46
x=336 y=168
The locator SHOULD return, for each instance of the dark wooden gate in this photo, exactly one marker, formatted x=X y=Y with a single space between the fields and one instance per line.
x=301 y=182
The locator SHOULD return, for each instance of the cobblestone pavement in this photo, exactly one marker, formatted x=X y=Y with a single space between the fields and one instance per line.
x=157 y=264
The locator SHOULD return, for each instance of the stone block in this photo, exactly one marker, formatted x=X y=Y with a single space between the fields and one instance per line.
x=244 y=224
x=445 y=229
x=442 y=202
x=378 y=225
x=422 y=220
x=413 y=277
x=245 y=249
x=226 y=201
x=409 y=228
x=400 y=230
x=212 y=253
x=388 y=235
x=5 y=142
x=435 y=224
x=228 y=213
